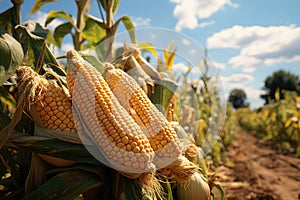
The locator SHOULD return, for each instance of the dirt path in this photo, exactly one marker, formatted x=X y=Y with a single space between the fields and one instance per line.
x=259 y=172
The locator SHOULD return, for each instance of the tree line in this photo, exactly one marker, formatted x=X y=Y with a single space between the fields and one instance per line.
x=274 y=84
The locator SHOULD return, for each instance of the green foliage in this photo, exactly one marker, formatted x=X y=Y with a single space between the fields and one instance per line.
x=5 y=20
x=32 y=36
x=11 y=56
x=280 y=80
x=278 y=122
x=66 y=185
x=237 y=98
x=21 y=148
x=38 y=4
x=164 y=91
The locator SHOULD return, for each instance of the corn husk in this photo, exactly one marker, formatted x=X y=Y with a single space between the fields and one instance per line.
x=194 y=188
x=136 y=69
x=191 y=153
x=180 y=170
x=133 y=49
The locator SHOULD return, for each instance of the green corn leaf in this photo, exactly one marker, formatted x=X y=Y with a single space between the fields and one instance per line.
x=170 y=59
x=148 y=47
x=33 y=35
x=103 y=4
x=38 y=4
x=56 y=148
x=220 y=190
x=94 y=30
x=131 y=189
x=101 y=171
x=128 y=25
x=61 y=31
x=169 y=188
x=59 y=14
x=115 y=6
x=66 y=186
x=6 y=19
x=164 y=91
x=11 y=56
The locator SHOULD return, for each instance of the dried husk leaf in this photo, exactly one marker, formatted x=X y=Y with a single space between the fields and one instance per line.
x=180 y=170
x=191 y=153
x=195 y=187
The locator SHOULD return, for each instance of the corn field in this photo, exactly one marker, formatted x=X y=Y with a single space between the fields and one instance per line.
x=117 y=123
x=277 y=122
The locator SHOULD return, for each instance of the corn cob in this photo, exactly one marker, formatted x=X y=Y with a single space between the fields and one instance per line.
x=100 y=114
x=52 y=102
x=160 y=133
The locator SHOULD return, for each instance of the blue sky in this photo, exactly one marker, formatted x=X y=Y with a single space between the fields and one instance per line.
x=247 y=40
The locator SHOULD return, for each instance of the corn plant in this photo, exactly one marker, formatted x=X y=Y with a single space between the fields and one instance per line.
x=277 y=122
x=41 y=155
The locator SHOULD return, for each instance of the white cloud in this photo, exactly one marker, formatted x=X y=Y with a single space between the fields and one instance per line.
x=139 y=21
x=188 y=12
x=180 y=67
x=40 y=17
x=204 y=24
x=218 y=65
x=259 y=45
x=237 y=79
x=192 y=51
x=185 y=41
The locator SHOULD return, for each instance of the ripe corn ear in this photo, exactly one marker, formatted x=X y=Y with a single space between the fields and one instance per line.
x=160 y=133
x=100 y=116
x=50 y=100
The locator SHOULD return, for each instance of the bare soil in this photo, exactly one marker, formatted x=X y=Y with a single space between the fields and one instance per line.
x=259 y=172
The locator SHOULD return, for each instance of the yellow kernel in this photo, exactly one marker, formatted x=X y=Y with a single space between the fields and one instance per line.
x=120 y=145
x=66 y=121
x=50 y=113
x=70 y=125
x=62 y=126
x=48 y=100
x=136 y=150
x=46 y=117
x=63 y=117
x=159 y=137
x=133 y=144
x=52 y=104
x=59 y=114
x=47 y=109
x=60 y=108
x=125 y=140
x=114 y=135
x=57 y=122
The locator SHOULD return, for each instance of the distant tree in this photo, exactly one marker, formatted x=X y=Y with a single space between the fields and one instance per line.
x=237 y=98
x=280 y=80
